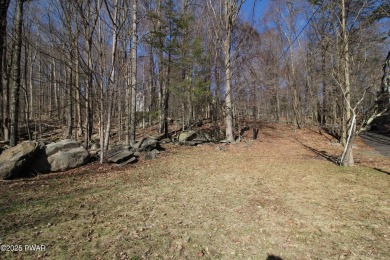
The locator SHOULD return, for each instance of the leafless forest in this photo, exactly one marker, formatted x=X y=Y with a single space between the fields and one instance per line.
x=111 y=68
x=249 y=107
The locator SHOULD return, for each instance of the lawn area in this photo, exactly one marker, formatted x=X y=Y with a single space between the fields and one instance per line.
x=277 y=196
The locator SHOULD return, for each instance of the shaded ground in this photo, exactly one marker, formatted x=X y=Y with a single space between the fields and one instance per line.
x=280 y=195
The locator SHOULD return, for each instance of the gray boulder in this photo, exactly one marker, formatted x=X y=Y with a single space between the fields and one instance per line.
x=119 y=154
x=61 y=156
x=115 y=149
x=147 y=144
x=201 y=138
x=191 y=137
x=129 y=161
x=15 y=161
x=166 y=140
x=151 y=155
x=187 y=136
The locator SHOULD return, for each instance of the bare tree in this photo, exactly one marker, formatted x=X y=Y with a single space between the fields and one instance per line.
x=134 y=35
x=3 y=64
x=225 y=19
x=16 y=73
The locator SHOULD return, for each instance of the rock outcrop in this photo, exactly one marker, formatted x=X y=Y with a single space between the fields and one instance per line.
x=15 y=162
x=191 y=137
x=60 y=156
x=119 y=154
x=147 y=144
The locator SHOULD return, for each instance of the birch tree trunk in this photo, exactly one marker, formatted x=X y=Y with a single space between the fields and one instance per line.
x=110 y=88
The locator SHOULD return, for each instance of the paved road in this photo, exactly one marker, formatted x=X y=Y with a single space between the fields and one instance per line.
x=381 y=143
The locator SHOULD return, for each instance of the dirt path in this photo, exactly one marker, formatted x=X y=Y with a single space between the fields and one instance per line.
x=380 y=143
x=277 y=196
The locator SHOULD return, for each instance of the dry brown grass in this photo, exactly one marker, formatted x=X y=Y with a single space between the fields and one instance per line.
x=278 y=196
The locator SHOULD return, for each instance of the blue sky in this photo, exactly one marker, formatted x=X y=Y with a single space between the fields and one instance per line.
x=260 y=7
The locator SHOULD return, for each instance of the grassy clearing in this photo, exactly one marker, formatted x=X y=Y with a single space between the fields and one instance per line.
x=237 y=202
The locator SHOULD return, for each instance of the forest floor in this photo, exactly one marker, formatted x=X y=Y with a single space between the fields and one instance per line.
x=281 y=195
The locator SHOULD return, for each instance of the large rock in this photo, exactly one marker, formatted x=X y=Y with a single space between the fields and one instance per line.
x=151 y=155
x=61 y=156
x=129 y=161
x=191 y=137
x=119 y=154
x=15 y=161
x=187 y=136
x=147 y=144
x=157 y=137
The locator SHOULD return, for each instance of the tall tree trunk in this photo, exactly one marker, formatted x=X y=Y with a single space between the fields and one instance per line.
x=6 y=96
x=230 y=13
x=80 y=131
x=16 y=73
x=56 y=91
x=294 y=88
x=152 y=84
x=110 y=88
x=3 y=61
x=228 y=74
x=347 y=83
x=25 y=92
x=88 y=96
x=385 y=86
x=277 y=97
x=347 y=157
x=160 y=71
x=134 y=35
x=165 y=96
x=347 y=124
x=325 y=111
x=128 y=101
x=101 y=93
x=69 y=105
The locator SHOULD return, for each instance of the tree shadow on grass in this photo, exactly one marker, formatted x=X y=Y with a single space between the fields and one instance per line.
x=323 y=154
x=320 y=133
x=383 y=171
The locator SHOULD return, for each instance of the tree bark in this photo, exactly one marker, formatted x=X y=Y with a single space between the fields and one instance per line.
x=25 y=92
x=110 y=88
x=3 y=61
x=69 y=105
x=16 y=71
x=80 y=131
x=385 y=86
x=160 y=71
x=228 y=74
x=347 y=83
x=88 y=95
x=134 y=45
